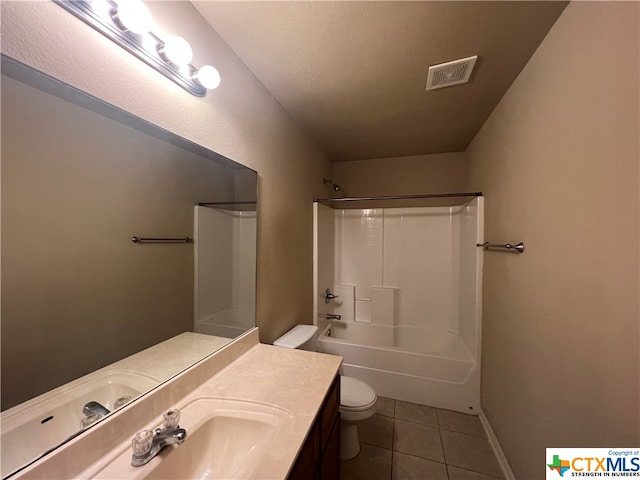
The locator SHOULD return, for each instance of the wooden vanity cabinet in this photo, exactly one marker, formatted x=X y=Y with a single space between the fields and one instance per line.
x=319 y=458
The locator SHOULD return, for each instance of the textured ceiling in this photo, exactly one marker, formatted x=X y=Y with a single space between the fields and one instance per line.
x=353 y=74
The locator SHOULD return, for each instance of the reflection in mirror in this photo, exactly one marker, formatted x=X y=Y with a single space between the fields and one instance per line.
x=91 y=319
x=225 y=302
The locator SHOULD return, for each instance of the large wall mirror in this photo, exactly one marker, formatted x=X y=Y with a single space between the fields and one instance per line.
x=91 y=317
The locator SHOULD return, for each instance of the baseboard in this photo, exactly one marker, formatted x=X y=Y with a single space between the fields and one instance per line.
x=495 y=444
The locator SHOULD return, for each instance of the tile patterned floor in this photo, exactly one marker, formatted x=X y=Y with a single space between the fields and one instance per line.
x=405 y=441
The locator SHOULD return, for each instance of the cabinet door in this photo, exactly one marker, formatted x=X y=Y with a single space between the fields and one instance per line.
x=319 y=458
x=330 y=464
x=329 y=412
x=307 y=462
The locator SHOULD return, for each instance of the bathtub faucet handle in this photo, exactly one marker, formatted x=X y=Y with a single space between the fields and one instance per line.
x=328 y=296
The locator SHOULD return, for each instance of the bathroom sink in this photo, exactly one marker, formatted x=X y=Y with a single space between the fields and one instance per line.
x=226 y=439
x=33 y=427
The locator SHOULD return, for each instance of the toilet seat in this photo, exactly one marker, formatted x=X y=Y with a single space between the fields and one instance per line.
x=355 y=395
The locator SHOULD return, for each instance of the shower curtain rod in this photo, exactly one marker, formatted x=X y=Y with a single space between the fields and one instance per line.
x=399 y=197
x=209 y=204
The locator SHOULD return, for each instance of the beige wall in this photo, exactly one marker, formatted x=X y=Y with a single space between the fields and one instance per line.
x=558 y=162
x=436 y=173
x=240 y=120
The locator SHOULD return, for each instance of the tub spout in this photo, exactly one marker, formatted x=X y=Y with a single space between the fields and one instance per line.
x=332 y=316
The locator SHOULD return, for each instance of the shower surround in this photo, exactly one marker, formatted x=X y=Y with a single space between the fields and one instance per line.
x=408 y=282
x=225 y=244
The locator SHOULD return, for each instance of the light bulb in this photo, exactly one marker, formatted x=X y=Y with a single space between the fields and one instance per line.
x=208 y=77
x=149 y=42
x=176 y=50
x=133 y=16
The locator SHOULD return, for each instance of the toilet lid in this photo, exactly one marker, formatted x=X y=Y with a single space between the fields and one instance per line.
x=355 y=393
x=297 y=336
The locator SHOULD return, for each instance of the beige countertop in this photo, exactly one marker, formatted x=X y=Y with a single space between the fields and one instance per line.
x=295 y=381
x=24 y=437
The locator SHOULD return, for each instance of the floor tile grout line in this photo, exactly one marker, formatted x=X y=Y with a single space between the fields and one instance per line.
x=466 y=469
x=432 y=407
x=393 y=438
x=444 y=455
x=417 y=423
x=423 y=458
x=420 y=457
x=374 y=445
x=437 y=425
x=465 y=433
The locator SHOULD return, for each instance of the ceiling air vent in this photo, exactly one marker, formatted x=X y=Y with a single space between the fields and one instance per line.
x=450 y=73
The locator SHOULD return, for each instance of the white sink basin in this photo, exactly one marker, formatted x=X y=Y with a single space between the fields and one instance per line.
x=31 y=428
x=226 y=439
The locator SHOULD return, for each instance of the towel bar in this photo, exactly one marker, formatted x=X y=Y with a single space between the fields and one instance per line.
x=505 y=247
x=161 y=240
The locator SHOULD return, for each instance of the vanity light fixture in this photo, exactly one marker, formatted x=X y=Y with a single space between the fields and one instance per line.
x=129 y=23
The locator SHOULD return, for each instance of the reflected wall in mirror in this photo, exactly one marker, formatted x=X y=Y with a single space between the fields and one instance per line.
x=80 y=178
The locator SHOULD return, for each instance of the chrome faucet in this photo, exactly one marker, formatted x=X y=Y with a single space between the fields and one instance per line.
x=147 y=444
x=91 y=408
x=332 y=316
x=93 y=411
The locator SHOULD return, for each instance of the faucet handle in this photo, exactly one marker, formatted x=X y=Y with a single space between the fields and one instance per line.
x=171 y=419
x=89 y=420
x=328 y=296
x=142 y=442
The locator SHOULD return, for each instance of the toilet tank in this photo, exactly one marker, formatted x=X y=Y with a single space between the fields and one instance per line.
x=300 y=337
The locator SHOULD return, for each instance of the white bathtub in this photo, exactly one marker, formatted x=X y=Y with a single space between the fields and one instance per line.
x=438 y=371
x=430 y=341
x=228 y=323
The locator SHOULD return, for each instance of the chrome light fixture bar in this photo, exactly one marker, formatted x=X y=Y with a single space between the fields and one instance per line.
x=131 y=28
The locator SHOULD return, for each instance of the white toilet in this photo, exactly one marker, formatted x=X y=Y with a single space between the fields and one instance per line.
x=357 y=399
